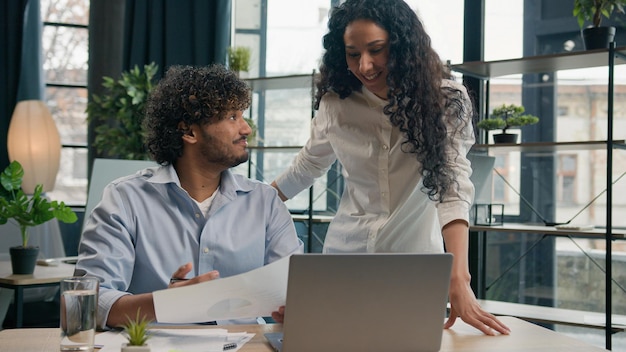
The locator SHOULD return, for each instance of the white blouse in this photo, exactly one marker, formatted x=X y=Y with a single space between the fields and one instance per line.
x=383 y=207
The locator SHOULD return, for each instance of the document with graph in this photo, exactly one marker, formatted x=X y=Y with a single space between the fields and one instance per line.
x=256 y=293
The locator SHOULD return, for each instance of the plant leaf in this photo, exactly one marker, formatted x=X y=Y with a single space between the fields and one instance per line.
x=11 y=177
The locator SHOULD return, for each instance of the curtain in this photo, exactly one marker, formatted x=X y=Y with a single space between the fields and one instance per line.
x=125 y=33
x=171 y=32
x=20 y=39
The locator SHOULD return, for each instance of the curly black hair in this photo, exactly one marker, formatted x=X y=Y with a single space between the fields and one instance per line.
x=192 y=95
x=417 y=99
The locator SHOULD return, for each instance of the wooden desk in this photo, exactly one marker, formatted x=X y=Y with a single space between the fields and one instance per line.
x=553 y=315
x=524 y=337
x=43 y=276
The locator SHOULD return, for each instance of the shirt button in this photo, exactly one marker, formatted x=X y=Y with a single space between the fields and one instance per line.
x=197 y=215
x=205 y=250
x=385 y=147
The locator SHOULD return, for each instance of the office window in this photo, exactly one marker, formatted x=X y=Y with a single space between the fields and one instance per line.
x=65 y=44
x=566 y=178
x=286 y=39
x=501 y=191
x=446 y=35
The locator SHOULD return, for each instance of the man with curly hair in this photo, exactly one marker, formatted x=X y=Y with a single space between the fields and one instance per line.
x=401 y=127
x=190 y=219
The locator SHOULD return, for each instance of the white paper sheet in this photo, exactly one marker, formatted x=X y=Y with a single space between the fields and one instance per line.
x=253 y=294
x=178 y=340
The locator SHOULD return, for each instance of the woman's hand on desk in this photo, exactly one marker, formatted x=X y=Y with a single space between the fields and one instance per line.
x=463 y=304
x=279 y=316
x=178 y=278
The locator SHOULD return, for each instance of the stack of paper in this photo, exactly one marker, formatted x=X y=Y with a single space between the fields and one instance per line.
x=179 y=340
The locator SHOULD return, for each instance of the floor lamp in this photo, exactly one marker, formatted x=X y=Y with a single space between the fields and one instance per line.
x=34 y=141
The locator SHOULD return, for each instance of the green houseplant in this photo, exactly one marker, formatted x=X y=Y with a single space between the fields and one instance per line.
x=118 y=114
x=252 y=138
x=596 y=36
x=239 y=59
x=27 y=211
x=136 y=332
x=505 y=117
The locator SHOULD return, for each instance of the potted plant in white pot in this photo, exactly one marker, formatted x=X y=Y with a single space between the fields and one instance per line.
x=597 y=36
x=136 y=332
x=27 y=211
x=505 y=117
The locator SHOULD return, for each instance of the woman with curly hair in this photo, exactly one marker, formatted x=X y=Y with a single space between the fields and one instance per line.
x=391 y=114
x=180 y=223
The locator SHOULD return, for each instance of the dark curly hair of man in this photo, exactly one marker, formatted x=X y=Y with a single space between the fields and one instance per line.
x=417 y=99
x=191 y=95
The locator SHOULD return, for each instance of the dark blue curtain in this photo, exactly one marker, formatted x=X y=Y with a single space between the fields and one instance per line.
x=20 y=57
x=170 y=32
x=125 y=33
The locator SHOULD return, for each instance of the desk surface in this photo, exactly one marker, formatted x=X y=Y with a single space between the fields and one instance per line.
x=524 y=337
x=42 y=274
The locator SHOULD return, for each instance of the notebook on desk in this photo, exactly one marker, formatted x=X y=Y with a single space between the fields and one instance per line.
x=364 y=302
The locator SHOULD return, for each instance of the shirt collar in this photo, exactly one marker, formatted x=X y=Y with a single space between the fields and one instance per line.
x=229 y=184
x=372 y=99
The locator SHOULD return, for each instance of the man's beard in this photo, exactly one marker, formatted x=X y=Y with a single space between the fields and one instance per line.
x=216 y=152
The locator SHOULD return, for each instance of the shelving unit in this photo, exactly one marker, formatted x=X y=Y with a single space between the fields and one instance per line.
x=260 y=87
x=549 y=230
x=547 y=64
x=548 y=147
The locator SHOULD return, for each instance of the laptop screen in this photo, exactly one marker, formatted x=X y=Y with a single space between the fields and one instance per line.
x=366 y=302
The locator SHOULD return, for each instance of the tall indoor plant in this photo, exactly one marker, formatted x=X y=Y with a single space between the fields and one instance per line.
x=27 y=211
x=505 y=117
x=597 y=36
x=118 y=114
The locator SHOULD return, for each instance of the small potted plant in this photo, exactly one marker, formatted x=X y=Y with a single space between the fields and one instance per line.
x=596 y=36
x=27 y=211
x=239 y=59
x=136 y=332
x=505 y=117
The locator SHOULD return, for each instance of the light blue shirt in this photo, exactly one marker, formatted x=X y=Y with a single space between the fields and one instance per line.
x=147 y=226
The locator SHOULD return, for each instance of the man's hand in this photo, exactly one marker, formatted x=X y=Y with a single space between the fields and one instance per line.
x=279 y=316
x=178 y=278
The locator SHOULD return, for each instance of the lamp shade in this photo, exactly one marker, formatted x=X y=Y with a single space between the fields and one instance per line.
x=34 y=142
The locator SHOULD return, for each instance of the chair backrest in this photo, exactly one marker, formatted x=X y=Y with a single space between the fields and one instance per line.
x=106 y=170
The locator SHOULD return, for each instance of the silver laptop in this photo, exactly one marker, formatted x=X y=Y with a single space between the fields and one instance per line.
x=364 y=302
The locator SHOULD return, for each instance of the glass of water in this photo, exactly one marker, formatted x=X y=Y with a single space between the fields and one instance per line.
x=79 y=303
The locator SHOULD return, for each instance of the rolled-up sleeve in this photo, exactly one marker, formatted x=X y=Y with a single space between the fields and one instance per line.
x=313 y=160
x=458 y=200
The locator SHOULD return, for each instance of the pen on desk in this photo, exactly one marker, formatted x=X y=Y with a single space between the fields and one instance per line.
x=175 y=279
